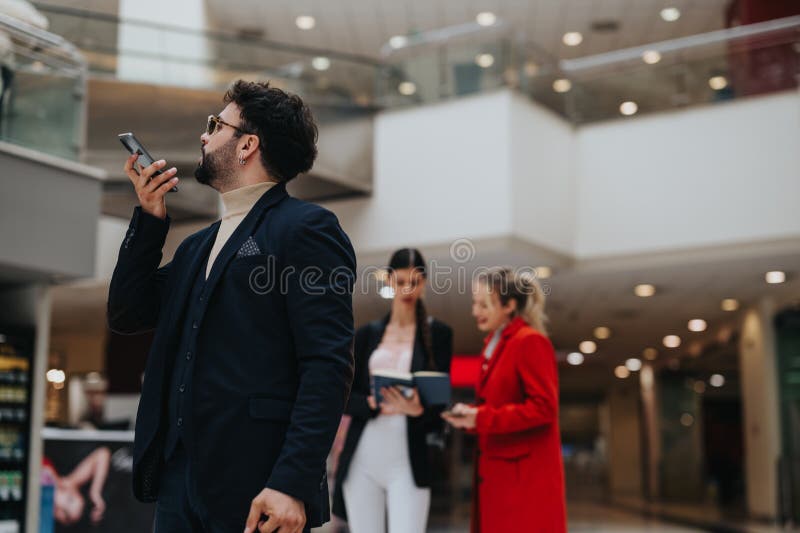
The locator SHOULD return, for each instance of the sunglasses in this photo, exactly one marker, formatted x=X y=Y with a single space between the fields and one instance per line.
x=214 y=122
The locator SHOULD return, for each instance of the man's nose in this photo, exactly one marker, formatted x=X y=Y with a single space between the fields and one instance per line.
x=204 y=138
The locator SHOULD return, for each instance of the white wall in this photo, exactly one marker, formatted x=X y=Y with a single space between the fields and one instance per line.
x=442 y=172
x=710 y=175
x=542 y=152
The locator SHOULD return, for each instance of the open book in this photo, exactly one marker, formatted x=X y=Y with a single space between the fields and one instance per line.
x=434 y=387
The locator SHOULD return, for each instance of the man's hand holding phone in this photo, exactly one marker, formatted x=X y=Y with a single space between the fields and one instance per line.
x=151 y=192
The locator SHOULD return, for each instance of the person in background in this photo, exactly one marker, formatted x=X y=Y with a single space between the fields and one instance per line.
x=69 y=503
x=384 y=464
x=519 y=476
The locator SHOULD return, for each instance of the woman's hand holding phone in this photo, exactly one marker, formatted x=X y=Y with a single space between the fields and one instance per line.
x=149 y=188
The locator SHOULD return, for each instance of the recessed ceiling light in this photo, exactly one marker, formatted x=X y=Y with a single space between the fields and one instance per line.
x=730 y=304
x=531 y=69
x=484 y=60
x=651 y=57
x=407 y=88
x=562 y=85
x=398 y=41
x=687 y=420
x=321 y=63
x=587 y=347
x=775 y=277
x=621 y=372
x=697 y=324
x=572 y=38
x=644 y=290
x=650 y=353
x=670 y=14
x=718 y=82
x=305 y=22
x=628 y=108
x=602 y=332
x=543 y=272
x=672 y=341
x=55 y=375
x=575 y=358
x=486 y=18
x=717 y=380
x=699 y=387
x=633 y=364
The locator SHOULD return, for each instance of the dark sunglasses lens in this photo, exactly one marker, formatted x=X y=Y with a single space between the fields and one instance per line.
x=211 y=125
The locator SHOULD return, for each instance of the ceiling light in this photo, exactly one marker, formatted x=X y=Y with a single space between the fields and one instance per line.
x=305 y=22
x=644 y=290
x=697 y=324
x=387 y=292
x=543 y=272
x=670 y=14
x=321 y=63
x=651 y=57
x=398 y=41
x=650 y=354
x=633 y=364
x=407 y=88
x=572 y=38
x=562 y=85
x=717 y=380
x=699 y=387
x=484 y=60
x=587 y=347
x=575 y=358
x=687 y=420
x=718 y=82
x=672 y=341
x=55 y=376
x=775 y=277
x=628 y=108
x=621 y=372
x=602 y=332
x=730 y=304
x=531 y=69
x=486 y=18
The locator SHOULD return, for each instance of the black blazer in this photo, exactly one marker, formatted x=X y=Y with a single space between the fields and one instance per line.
x=368 y=337
x=274 y=363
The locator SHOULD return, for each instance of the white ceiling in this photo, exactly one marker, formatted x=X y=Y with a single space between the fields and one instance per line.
x=363 y=26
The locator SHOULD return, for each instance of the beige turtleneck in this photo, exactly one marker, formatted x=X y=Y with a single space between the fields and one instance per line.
x=238 y=203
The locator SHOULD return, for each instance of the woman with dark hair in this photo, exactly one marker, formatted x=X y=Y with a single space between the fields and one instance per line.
x=384 y=464
x=519 y=476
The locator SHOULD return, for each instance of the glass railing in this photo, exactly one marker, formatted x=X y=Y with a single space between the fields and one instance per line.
x=707 y=68
x=43 y=103
x=141 y=51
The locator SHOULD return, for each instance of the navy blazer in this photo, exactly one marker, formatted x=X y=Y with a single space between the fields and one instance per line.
x=274 y=360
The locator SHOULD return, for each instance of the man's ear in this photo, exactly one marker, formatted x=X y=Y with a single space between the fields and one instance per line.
x=250 y=146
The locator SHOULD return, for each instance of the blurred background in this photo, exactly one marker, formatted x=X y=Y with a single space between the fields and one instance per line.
x=642 y=155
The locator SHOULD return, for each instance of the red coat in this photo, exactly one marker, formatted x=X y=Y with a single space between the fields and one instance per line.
x=519 y=475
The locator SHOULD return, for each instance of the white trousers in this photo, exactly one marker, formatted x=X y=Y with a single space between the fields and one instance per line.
x=380 y=479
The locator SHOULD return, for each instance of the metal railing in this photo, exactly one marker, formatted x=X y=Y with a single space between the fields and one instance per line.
x=42 y=102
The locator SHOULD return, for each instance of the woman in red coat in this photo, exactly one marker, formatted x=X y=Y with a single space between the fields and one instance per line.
x=519 y=476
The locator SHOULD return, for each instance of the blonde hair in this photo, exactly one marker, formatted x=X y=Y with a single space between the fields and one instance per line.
x=522 y=287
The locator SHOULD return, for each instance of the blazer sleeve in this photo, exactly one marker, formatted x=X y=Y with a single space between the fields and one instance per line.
x=357 y=405
x=138 y=285
x=536 y=366
x=320 y=264
x=443 y=354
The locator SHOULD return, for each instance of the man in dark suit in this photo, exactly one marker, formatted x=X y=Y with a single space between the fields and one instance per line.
x=251 y=363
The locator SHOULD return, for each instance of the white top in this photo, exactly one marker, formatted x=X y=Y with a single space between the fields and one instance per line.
x=395 y=350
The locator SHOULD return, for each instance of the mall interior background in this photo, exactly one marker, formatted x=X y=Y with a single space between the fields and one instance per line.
x=642 y=155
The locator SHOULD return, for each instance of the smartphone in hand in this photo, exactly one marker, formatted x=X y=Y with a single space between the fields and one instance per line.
x=133 y=145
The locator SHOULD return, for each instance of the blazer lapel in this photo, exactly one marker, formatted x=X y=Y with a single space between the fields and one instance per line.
x=196 y=258
x=245 y=228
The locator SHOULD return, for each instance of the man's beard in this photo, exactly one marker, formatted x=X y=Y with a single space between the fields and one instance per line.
x=216 y=168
